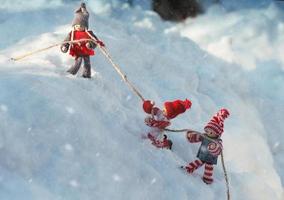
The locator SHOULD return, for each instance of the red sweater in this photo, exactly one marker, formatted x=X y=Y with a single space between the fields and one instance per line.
x=81 y=49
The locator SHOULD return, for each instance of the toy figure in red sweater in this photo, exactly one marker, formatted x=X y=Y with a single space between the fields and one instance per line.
x=160 y=119
x=211 y=145
x=83 y=50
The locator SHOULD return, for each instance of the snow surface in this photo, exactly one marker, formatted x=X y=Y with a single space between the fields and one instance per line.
x=65 y=137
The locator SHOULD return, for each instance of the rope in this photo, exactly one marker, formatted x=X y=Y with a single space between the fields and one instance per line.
x=176 y=131
x=183 y=130
x=117 y=68
x=222 y=159
x=123 y=76
x=226 y=176
x=46 y=48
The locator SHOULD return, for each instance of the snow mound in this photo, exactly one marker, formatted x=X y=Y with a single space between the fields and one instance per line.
x=66 y=137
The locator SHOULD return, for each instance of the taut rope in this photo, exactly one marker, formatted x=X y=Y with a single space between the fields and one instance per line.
x=46 y=48
x=117 y=68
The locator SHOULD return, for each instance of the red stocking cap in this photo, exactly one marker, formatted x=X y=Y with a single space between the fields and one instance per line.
x=217 y=122
x=176 y=107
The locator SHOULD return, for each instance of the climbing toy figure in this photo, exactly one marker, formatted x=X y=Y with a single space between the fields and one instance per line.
x=211 y=145
x=81 y=50
x=160 y=119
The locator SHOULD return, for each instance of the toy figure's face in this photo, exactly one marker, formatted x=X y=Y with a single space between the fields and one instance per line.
x=164 y=112
x=211 y=133
x=78 y=27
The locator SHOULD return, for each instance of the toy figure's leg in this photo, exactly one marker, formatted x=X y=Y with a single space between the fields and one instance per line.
x=153 y=135
x=75 y=68
x=208 y=173
x=87 y=67
x=191 y=167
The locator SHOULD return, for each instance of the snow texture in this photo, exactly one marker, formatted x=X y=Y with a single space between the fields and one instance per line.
x=64 y=137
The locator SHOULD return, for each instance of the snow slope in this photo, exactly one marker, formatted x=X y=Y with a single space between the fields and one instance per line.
x=70 y=138
x=253 y=39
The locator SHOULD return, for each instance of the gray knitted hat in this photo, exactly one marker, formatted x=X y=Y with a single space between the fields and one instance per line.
x=81 y=16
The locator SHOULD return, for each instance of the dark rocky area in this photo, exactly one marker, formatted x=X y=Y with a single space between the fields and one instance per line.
x=177 y=10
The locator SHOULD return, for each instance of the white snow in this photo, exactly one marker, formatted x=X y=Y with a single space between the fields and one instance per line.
x=117 y=178
x=68 y=147
x=70 y=110
x=19 y=5
x=3 y=108
x=74 y=183
x=244 y=37
x=69 y=138
x=145 y=23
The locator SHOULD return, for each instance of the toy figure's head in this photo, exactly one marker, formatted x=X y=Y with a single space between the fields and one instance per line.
x=78 y=27
x=211 y=133
x=215 y=127
x=81 y=18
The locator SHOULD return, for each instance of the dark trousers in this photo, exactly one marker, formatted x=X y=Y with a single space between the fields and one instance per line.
x=87 y=66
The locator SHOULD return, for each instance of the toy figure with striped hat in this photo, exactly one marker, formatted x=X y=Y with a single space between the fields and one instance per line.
x=160 y=119
x=211 y=145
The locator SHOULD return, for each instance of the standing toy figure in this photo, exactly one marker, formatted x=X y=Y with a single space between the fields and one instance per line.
x=82 y=50
x=160 y=119
x=211 y=145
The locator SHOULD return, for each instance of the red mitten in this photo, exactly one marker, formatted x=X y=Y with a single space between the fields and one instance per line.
x=99 y=42
x=147 y=106
x=151 y=137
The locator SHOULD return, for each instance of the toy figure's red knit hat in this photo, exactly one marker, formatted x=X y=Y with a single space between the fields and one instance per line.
x=176 y=107
x=81 y=16
x=217 y=122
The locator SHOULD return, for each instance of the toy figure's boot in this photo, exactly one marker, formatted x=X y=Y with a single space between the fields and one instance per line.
x=151 y=137
x=208 y=173
x=168 y=144
x=191 y=167
x=75 y=68
x=87 y=67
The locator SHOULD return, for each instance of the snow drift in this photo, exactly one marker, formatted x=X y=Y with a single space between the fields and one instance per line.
x=66 y=137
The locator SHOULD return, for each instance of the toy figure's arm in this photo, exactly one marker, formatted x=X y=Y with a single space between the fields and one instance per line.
x=64 y=47
x=193 y=136
x=98 y=41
